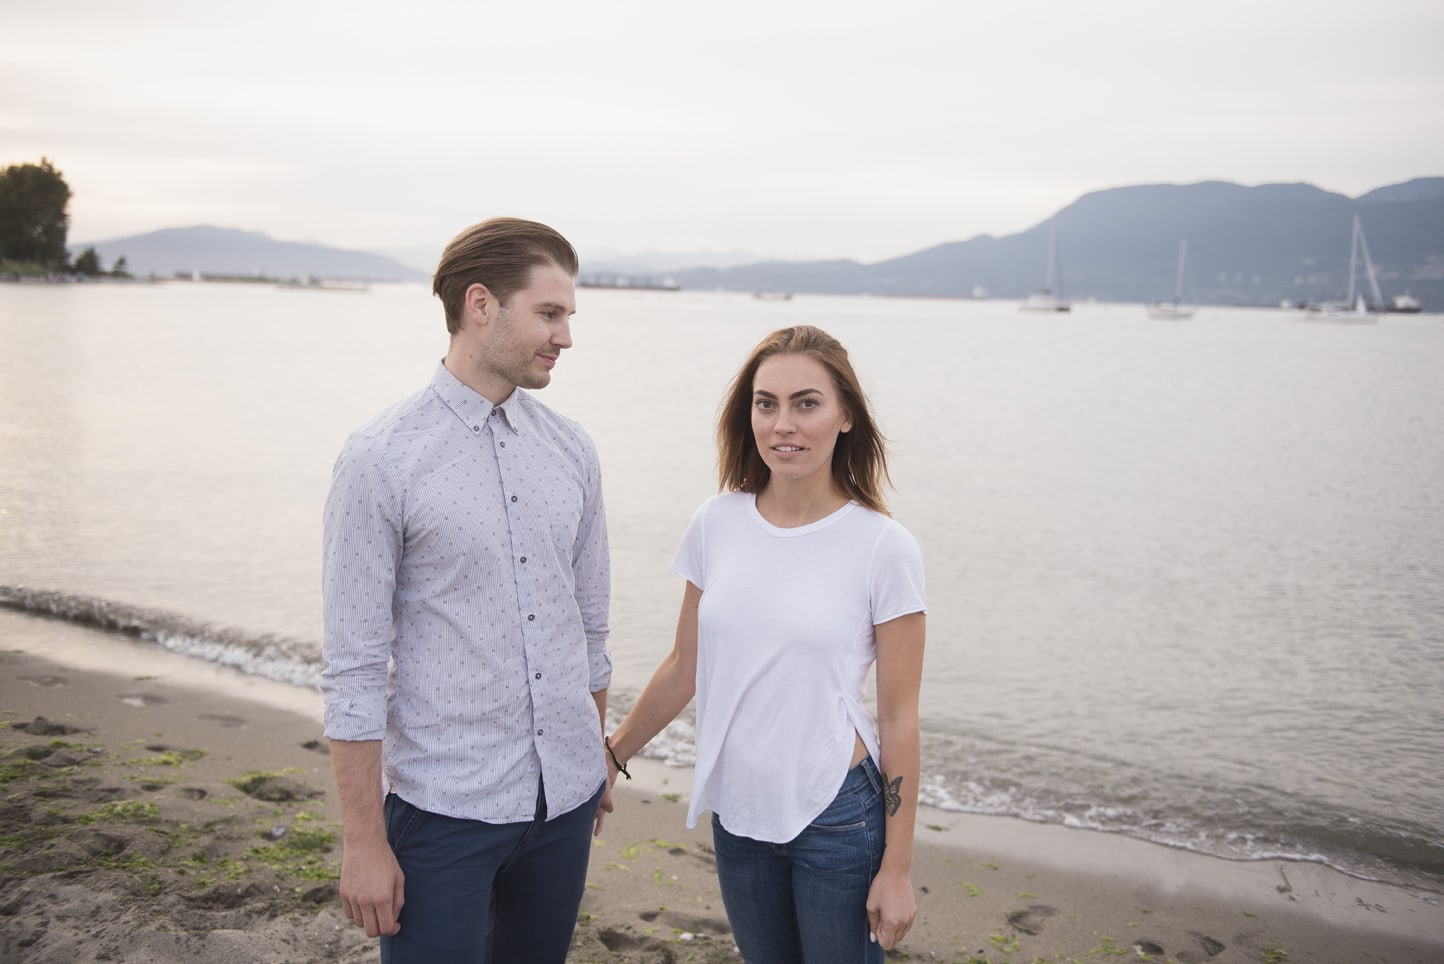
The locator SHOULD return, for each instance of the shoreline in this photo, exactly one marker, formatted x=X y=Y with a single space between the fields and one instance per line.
x=158 y=737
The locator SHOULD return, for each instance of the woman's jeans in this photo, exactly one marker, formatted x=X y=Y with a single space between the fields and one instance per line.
x=488 y=892
x=806 y=900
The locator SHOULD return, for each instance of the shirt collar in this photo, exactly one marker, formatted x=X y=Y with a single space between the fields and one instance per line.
x=473 y=409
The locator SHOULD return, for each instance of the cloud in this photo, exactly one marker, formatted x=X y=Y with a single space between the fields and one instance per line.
x=801 y=129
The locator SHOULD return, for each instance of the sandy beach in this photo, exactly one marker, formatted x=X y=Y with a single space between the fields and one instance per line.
x=157 y=809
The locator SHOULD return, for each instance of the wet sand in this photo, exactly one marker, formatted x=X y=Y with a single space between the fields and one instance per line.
x=156 y=809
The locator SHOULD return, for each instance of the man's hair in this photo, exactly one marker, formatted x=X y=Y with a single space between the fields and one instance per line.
x=500 y=254
x=859 y=462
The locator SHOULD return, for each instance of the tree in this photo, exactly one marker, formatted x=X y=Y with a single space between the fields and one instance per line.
x=120 y=270
x=34 y=214
x=88 y=264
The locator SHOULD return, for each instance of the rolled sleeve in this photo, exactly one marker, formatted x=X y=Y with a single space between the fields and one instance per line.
x=591 y=570
x=360 y=554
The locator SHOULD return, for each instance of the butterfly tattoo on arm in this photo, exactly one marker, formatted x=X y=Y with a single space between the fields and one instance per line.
x=891 y=794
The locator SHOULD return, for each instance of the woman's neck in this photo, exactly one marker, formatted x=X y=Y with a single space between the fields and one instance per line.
x=790 y=505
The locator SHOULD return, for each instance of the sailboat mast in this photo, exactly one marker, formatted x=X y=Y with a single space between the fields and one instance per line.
x=1052 y=257
x=1178 y=283
x=1353 y=261
x=1369 y=266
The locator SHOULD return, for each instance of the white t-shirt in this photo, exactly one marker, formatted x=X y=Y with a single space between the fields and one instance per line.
x=784 y=646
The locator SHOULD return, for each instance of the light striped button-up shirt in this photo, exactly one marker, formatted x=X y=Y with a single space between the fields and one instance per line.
x=466 y=583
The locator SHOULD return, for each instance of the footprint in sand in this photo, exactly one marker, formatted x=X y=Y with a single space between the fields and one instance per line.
x=702 y=855
x=40 y=726
x=617 y=940
x=1205 y=949
x=1147 y=949
x=1030 y=920
x=141 y=699
x=46 y=680
x=316 y=746
x=690 y=923
x=275 y=788
x=229 y=722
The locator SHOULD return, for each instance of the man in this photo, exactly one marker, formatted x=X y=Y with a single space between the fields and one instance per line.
x=466 y=587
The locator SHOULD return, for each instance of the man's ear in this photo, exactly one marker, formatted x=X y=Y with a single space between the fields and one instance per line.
x=479 y=303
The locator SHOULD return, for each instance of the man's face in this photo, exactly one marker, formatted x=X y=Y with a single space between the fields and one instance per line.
x=527 y=338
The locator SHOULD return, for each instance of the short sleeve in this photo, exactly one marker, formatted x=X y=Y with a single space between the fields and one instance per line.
x=690 y=562
x=896 y=581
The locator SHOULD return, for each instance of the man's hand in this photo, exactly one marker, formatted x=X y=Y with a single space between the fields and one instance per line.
x=372 y=887
x=604 y=808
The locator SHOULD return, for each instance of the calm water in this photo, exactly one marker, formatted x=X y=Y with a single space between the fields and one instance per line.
x=1186 y=580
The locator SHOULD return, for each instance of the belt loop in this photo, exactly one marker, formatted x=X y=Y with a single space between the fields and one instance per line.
x=870 y=768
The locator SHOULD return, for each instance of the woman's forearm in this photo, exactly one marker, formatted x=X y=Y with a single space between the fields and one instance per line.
x=670 y=689
x=900 y=773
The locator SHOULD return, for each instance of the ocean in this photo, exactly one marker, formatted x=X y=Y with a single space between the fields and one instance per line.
x=1186 y=580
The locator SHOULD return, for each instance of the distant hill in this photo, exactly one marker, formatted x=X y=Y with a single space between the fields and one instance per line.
x=210 y=250
x=1246 y=246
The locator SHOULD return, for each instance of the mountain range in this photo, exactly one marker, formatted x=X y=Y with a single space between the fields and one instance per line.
x=227 y=251
x=1246 y=246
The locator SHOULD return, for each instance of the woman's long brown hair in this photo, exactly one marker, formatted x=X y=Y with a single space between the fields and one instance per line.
x=859 y=462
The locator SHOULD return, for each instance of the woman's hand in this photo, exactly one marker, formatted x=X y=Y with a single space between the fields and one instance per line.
x=891 y=907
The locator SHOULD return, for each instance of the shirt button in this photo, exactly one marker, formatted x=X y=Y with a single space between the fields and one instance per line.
x=503 y=445
x=538 y=676
x=523 y=558
x=531 y=617
x=539 y=732
x=476 y=428
x=513 y=498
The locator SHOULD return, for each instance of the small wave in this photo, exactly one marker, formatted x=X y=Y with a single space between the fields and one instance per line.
x=270 y=656
x=1231 y=823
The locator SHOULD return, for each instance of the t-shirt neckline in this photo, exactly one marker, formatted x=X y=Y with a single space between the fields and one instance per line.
x=787 y=533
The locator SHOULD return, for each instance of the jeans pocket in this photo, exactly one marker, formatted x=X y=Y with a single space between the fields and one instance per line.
x=849 y=810
x=401 y=820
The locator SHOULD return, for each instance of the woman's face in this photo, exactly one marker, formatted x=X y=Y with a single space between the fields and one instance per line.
x=796 y=416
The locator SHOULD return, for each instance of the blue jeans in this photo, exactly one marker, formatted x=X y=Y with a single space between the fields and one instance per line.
x=806 y=900
x=480 y=892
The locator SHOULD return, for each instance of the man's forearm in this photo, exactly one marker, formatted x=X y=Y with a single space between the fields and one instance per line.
x=357 y=765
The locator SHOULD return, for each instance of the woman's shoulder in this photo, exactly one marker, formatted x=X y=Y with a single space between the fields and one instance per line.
x=725 y=502
x=887 y=533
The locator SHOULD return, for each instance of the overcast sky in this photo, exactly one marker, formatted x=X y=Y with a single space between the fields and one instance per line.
x=789 y=129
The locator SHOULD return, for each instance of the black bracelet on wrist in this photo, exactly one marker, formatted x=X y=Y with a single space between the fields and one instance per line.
x=613 y=754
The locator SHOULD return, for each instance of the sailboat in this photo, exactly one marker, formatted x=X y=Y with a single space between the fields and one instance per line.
x=1174 y=310
x=1044 y=299
x=1353 y=310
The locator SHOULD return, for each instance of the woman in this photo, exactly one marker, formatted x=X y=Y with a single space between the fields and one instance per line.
x=797 y=582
